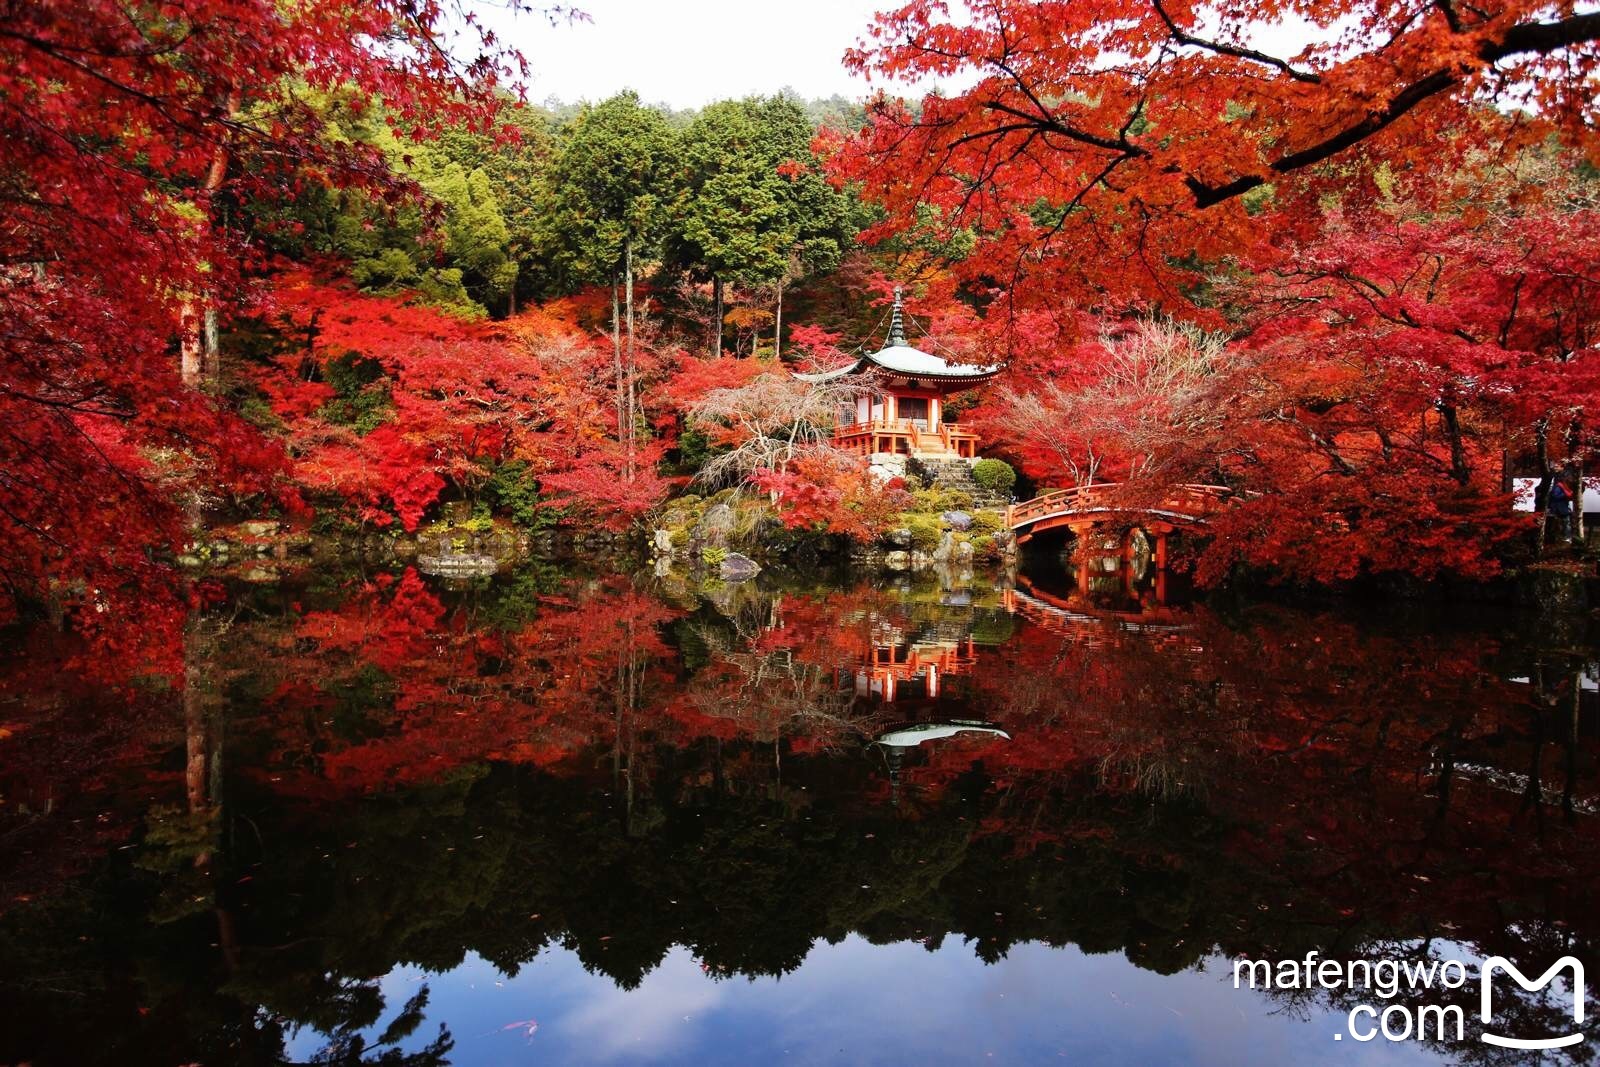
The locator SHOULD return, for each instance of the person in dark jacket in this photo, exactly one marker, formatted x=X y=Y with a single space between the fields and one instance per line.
x=1560 y=506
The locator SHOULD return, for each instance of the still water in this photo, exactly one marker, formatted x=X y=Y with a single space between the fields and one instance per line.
x=571 y=817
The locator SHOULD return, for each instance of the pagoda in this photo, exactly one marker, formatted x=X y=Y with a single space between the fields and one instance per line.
x=900 y=407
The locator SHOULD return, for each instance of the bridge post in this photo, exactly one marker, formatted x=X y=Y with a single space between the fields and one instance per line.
x=1162 y=530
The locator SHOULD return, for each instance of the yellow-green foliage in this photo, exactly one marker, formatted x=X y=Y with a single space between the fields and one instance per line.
x=934 y=501
x=988 y=522
x=713 y=556
x=925 y=532
x=995 y=475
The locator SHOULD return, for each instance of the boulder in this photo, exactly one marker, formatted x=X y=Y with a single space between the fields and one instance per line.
x=946 y=547
x=715 y=525
x=963 y=552
x=897 y=561
x=900 y=537
x=738 y=568
x=260 y=528
x=663 y=542
x=885 y=467
x=956 y=520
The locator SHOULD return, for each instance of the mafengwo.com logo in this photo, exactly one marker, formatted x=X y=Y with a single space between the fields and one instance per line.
x=1410 y=1018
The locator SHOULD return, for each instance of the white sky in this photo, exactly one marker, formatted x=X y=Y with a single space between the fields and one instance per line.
x=686 y=53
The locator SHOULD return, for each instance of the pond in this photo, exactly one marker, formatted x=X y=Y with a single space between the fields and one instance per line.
x=570 y=816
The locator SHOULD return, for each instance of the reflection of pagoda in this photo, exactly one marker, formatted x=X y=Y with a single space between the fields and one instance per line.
x=901 y=666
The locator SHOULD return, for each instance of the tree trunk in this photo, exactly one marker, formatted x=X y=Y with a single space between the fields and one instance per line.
x=627 y=258
x=1458 y=452
x=202 y=771
x=716 y=314
x=1541 y=491
x=212 y=355
x=616 y=356
x=197 y=319
x=1575 y=452
x=777 y=330
x=191 y=357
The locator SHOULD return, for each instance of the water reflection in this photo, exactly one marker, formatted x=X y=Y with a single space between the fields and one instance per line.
x=375 y=800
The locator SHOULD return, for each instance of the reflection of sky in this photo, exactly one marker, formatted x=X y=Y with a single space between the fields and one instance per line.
x=856 y=1003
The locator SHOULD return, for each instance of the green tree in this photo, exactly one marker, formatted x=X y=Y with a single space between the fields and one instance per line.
x=608 y=193
x=752 y=204
x=518 y=170
x=452 y=244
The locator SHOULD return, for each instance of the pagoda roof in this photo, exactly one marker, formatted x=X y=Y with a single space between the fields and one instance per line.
x=901 y=360
x=907 y=362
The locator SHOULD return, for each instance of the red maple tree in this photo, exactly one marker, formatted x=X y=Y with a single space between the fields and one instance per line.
x=125 y=133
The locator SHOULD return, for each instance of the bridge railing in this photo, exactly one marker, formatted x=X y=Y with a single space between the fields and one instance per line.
x=1192 y=501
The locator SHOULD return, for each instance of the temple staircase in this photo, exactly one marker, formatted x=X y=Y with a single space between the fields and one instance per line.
x=955 y=474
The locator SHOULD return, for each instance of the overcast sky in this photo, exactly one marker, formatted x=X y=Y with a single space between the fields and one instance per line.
x=686 y=53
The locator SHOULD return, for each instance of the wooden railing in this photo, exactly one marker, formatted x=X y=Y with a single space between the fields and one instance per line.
x=1193 y=502
x=859 y=437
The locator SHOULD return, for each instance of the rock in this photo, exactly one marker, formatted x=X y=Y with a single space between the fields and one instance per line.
x=663 y=542
x=897 y=561
x=885 y=466
x=715 y=525
x=956 y=520
x=900 y=537
x=260 y=528
x=738 y=568
x=963 y=552
x=946 y=546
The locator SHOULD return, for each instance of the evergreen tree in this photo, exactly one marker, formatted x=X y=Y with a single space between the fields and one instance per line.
x=608 y=192
x=752 y=206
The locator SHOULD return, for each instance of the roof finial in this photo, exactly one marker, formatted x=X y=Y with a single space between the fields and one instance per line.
x=897 y=326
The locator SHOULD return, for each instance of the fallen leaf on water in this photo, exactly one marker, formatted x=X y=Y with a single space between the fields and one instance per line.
x=528 y=1027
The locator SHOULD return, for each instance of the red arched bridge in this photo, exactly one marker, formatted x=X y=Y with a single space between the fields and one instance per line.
x=1087 y=506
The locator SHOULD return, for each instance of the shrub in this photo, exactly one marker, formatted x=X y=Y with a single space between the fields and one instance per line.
x=995 y=475
x=925 y=533
x=514 y=490
x=935 y=501
x=988 y=522
x=361 y=401
x=713 y=556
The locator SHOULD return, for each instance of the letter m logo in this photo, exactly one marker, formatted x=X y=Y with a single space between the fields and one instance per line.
x=1500 y=963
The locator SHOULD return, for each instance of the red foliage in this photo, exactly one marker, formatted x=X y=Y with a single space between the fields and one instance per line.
x=462 y=397
x=826 y=491
x=1089 y=181
x=121 y=131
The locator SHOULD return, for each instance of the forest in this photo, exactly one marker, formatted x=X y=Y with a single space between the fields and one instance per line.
x=326 y=265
